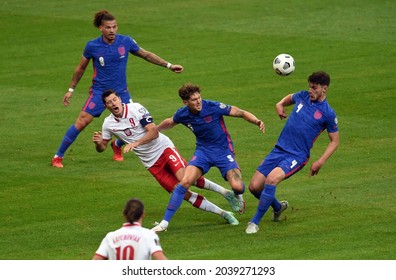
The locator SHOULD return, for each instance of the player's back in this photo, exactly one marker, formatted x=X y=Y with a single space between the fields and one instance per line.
x=130 y=242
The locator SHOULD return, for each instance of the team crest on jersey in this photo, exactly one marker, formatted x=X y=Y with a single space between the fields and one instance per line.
x=121 y=50
x=91 y=105
x=128 y=132
x=318 y=114
x=208 y=119
x=222 y=105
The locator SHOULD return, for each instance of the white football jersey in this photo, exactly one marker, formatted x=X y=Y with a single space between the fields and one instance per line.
x=130 y=128
x=130 y=242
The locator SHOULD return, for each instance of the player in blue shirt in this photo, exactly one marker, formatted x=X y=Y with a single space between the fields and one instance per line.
x=109 y=55
x=311 y=115
x=214 y=146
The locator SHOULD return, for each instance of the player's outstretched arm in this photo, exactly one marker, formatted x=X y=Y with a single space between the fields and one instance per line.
x=166 y=124
x=155 y=59
x=239 y=113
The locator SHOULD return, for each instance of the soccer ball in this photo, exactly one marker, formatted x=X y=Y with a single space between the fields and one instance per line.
x=283 y=64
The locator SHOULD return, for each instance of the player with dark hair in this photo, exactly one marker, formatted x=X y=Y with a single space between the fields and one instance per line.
x=131 y=241
x=311 y=115
x=133 y=124
x=109 y=55
x=214 y=146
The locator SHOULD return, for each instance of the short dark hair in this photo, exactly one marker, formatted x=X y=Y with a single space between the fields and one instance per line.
x=106 y=93
x=187 y=90
x=101 y=16
x=133 y=210
x=320 y=78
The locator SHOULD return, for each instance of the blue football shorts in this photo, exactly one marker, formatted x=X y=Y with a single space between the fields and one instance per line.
x=289 y=163
x=223 y=159
x=94 y=104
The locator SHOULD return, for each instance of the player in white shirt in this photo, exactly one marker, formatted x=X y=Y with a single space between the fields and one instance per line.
x=131 y=241
x=133 y=124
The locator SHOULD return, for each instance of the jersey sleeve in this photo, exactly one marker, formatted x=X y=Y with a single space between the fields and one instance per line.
x=219 y=107
x=225 y=108
x=153 y=243
x=332 y=122
x=133 y=46
x=87 y=51
x=106 y=133
x=143 y=114
x=297 y=96
x=177 y=116
x=104 y=248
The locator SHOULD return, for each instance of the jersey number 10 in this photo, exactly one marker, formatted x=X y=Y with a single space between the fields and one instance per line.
x=125 y=253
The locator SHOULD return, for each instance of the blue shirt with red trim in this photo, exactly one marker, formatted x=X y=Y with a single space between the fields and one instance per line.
x=110 y=63
x=305 y=123
x=208 y=125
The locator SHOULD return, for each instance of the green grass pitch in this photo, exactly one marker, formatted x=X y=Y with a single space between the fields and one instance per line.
x=346 y=212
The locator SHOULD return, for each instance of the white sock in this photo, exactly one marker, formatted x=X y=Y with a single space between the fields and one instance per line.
x=212 y=186
x=202 y=203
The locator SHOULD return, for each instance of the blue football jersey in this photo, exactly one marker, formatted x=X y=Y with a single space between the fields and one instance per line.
x=305 y=123
x=208 y=125
x=110 y=62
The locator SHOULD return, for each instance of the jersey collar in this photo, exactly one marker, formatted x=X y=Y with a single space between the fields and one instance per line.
x=125 y=110
x=124 y=114
x=136 y=224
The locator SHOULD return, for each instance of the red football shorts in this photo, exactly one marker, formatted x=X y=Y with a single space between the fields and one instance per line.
x=165 y=168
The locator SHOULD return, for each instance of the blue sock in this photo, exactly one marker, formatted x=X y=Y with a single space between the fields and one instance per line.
x=119 y=142
x=68 y=139
x=175 y=202
x=266 y=199
x=276 y=205
x=240 y=192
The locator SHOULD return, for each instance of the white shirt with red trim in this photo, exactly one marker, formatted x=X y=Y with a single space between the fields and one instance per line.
x=130 y=128
x=130 y=242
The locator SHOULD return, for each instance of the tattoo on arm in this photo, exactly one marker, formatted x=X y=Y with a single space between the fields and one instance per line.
x=153 y=58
